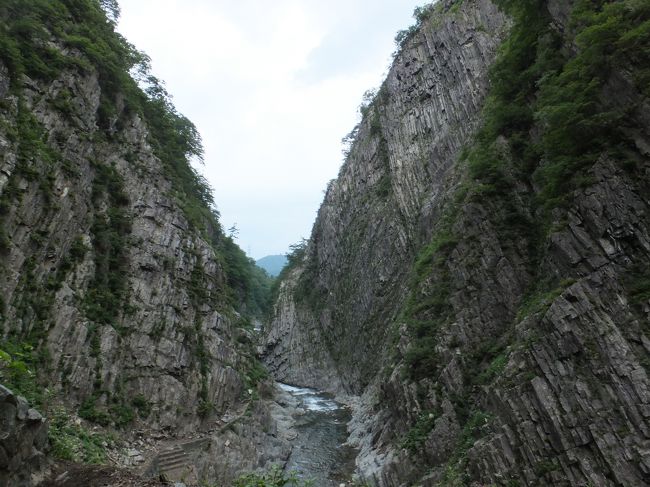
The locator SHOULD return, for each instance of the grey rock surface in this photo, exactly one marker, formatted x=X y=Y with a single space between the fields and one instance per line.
x=426 y=111
x=569 y=404
x=23 y=441
x=255 y=442
x=151 y=351
x=177 y=354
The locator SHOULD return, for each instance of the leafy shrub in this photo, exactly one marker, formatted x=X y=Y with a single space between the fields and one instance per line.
x=142 y=405
x=421 y=15
x=205 y=407
x=295 y=256
x=121 y=414
x=534 y=83
x=418 y=434
x=89 y=411
x=75 y=443
x=17 y=370
x=255 y=373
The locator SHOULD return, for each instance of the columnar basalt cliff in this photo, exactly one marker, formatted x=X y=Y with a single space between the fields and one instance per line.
x=478 y=272
x=145 y=345
x=370 y=220
x=120 y=294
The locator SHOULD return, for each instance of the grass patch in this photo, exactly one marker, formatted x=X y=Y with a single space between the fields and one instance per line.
x=418 y=434
x=456 y=473
x=541 y=296
x=69 y=441
x=75 y=443
x=493 y=370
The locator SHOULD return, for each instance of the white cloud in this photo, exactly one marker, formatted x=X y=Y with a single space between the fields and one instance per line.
x=272 y=86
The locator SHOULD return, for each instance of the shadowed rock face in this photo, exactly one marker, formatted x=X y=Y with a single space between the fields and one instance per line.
x=113 y=282
x=151 y=349
x=539 y=388
x=23 y=440
x=371 y=219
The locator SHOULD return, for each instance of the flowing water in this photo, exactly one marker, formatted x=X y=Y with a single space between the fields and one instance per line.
x=319 y=452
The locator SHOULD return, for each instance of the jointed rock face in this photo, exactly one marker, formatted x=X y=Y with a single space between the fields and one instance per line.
x=116 y=302
x=153 y=354
x=23 y=441
x=485 y=346
x=387 y=192
x=475 y=286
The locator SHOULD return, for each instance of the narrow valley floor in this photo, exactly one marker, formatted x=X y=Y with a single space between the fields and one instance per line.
x=319 y=451
x=312 y=423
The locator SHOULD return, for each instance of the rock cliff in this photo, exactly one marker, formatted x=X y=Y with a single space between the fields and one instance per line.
x=54 y=263
x=370 y=220
x=23 y=440
x=122 y=301
x=478 y=272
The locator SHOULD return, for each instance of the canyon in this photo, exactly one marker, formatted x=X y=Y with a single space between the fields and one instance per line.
x=482 y=298
x=474 y=293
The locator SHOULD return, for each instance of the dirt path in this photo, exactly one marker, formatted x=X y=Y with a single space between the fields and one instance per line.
x=67 y=474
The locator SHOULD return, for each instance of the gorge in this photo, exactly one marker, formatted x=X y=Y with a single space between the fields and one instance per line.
x=475 y=289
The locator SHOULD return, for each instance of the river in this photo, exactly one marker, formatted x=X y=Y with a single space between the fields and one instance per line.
x=319 y=452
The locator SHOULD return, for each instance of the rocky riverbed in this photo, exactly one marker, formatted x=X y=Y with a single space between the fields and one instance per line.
x=298 y=429
x=319 y=450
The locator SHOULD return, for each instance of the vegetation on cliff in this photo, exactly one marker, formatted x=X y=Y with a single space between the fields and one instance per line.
x=68 y=440
x=275 y=477
x=509 y=245
x=547 y=120
x=42 y=38
x=41 y=43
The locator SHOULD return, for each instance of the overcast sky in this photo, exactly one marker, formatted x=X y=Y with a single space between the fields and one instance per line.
x=273 y=86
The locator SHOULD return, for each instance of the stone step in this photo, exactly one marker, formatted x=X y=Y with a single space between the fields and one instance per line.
x=172 y=460
x=191 y=445
x=166 y=467
x=177 y=475
x=172 y=454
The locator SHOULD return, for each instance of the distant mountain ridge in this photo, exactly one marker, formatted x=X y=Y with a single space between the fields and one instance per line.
x=272 y=264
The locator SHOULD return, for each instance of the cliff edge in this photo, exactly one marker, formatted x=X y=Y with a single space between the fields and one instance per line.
x=477 y=273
